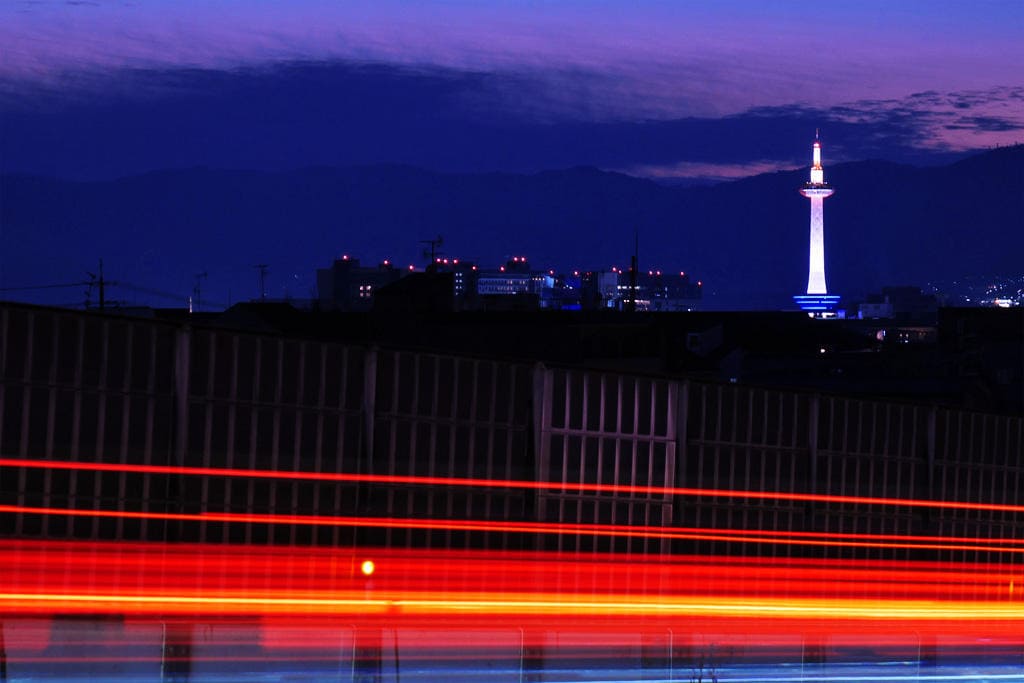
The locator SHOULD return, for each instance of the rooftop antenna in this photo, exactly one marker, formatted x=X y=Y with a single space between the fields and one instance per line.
x=262 y=267
x=433 y=252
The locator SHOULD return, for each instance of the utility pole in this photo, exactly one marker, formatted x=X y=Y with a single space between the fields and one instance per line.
x=196 y=290
x=102 y=283
x=635 y=264
x=262 y=267
x=103 y=288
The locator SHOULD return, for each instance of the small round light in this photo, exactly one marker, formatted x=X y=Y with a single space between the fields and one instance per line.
x=367 y=567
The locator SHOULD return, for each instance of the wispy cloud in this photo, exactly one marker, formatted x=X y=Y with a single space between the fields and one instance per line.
x=940 y=121
x=598 y=60
x=341 y=113
x=708 y=171
x=660 y=89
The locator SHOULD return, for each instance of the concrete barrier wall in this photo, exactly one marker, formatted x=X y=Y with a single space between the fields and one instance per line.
x=84 y=387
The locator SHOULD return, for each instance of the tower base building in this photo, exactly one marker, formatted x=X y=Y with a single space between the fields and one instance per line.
x=818 y=305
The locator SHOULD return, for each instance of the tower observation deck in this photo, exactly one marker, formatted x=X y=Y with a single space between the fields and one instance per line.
x=817 y=301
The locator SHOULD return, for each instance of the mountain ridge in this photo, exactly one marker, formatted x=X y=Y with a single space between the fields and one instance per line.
x=747 y=239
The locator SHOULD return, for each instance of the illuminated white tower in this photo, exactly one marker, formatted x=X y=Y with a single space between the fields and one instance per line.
x=817 y=301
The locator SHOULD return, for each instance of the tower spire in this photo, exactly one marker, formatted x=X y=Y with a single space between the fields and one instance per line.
x=817 y=172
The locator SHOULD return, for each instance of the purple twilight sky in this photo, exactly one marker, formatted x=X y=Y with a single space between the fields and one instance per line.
x=136 y=94
x=906 y=80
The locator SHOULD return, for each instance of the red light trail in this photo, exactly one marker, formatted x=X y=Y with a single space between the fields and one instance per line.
x=758 y=536
x=244 y=605
x=471 y=588
x=597 y=597
x=791 y=538
x=572 y=487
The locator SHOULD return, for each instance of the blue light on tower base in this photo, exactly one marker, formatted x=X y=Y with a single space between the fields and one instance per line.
x=817 y=305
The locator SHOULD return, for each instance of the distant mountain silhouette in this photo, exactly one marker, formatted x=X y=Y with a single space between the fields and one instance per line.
x=886 y=224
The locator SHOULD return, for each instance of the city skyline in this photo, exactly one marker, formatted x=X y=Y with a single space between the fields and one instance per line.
x=173 y=231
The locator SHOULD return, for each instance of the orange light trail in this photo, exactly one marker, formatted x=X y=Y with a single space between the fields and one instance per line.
x=490 y=605
x=570 y=593
x=574 y=487
x=479 y=589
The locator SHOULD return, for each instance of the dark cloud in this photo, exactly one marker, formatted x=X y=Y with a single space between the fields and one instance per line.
x=101 y=125
x=990 y=123
x=933 y=123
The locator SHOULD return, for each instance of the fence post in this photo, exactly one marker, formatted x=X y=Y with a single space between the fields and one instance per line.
x=369 y=408
x=932 y=423
x=813 y=412
x=682 y=418
x=542 y=381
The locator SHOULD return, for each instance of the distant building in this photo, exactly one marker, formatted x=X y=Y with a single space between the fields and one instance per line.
x=429 y=292
x=875 y=307
x=513 y=280
x=657 y=291
x=503 y=284
x=348 y=286
x=908 y=304
x=599 y=289
x=594 y=290
x=464 y=280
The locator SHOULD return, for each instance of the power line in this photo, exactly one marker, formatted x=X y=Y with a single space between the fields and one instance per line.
x=31 y=287
x=171 y=296
x=164 y=295
x=153 y=292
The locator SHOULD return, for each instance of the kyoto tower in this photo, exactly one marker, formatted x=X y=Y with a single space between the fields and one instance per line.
x=818 y=302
